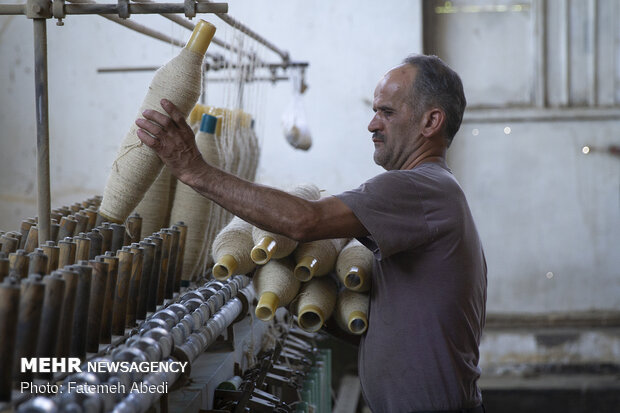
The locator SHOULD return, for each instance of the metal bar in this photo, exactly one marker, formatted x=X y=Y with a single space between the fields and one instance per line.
x=144 y=8
x=565 y=54
x=539 y=43
x=151 y=8
x=593 y=20
x=244 y=29
x=42 y=124
x=12 y=9
x=207 y=66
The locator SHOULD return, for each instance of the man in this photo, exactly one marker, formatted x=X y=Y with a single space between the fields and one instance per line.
x=427 y=309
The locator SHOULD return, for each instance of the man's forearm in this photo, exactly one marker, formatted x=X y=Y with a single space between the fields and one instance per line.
x=268 y=208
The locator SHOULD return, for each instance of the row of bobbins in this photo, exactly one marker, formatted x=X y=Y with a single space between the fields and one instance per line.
x=168 y=335
x=89 y=295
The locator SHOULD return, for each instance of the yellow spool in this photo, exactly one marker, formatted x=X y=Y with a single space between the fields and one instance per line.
x=306 y=268
x=264 y=250
x=358 y=322
x=225 y=267
x=267 y=306
x=201 y=37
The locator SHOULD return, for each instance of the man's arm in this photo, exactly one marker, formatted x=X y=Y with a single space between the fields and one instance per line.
x=265 y=207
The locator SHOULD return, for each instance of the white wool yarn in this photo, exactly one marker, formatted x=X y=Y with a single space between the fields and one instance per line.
x=316 y=302
x=136 y=165
x=268 y=245
x=231 y=250
x=154 y=207
x=317 y=258
x=276 y=286
x=354 y=266
x=352 y=311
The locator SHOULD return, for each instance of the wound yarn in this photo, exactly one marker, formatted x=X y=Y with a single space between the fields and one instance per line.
x=317 y=258
x=231 y=250
x=136 y=165
x=154 y=207
x=276 y=286
x=354 y=266
x=268 y=245
x=316 y=302
x=352 y=311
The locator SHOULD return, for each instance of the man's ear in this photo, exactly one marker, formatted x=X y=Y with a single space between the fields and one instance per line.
x=432 y=122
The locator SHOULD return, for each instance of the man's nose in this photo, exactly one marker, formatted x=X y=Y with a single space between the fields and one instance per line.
x=374 y=124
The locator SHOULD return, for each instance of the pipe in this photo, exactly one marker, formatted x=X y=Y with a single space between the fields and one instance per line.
x=152 y=8
x=42 y=124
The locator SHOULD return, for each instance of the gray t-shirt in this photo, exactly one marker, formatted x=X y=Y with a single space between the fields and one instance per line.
x=428 y=299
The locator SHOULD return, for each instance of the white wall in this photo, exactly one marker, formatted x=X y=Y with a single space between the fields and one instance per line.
x=349 y=45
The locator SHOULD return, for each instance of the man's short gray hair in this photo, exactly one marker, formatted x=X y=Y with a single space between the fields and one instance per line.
x=436 y=85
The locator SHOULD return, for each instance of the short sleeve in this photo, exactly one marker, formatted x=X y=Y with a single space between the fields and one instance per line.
x=390 y=208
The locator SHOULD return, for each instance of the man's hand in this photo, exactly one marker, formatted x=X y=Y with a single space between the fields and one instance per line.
x=173 y=140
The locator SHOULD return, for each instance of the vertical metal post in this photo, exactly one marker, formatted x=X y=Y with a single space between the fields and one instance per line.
x=42 y=122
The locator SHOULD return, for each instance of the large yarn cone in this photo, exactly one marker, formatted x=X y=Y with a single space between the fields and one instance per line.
x=268 y=245
x=136 y=165
x=276 y=286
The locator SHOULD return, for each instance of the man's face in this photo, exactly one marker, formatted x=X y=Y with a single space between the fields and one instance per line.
x=393 y=127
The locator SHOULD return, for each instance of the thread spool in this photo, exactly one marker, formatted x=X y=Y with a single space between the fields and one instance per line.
x=165 y=261
x=316 y=302
x=38 y=262
x=67 y=252
x=153 y=208
x=65 y=329
x=134 y=229
x=137 y=165
x=28 y=321
x=91 y=213
x=147 y=269
x=134 y=284
x=125 y=261
x=276 y=286
x=50 y=317
x=317 y=258
x=172 y=261
x=106 y=237
x=24 y=229
x=82 y=247
x=268 y=245
x=9 y=306
x=151 y=299
x=19 y=261
x=76 y=207
x=68 y=225
x=4 y=266
x=108 y=302
x=118 y=236
x=354 y=266
x=98 y=286
x=32 y=241
x=183 y=229
x=80 y=314
x=54 y=229
x=231 y=250
x=10 y=243
x=352 y=311
x=82 y=222
x=96 y=239
x=64 y=210
x=53 y=253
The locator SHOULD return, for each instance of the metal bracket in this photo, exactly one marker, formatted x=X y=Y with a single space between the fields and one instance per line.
x=58 y=11
x=38 y=9
x=190 y=8
x=123 y=9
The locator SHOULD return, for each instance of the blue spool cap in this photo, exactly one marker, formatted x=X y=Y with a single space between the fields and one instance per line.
x=208 y=123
